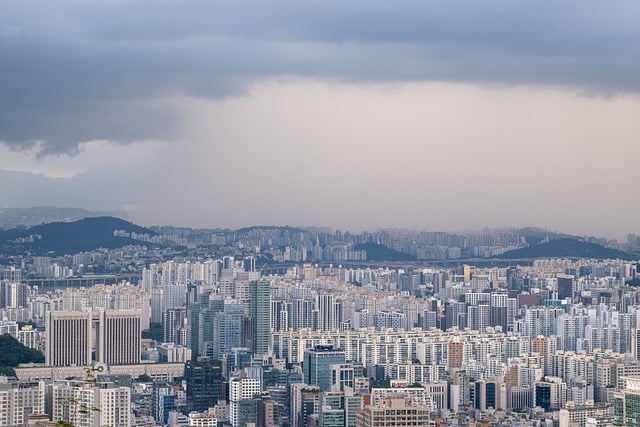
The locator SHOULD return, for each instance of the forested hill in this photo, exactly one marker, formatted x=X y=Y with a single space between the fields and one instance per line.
x=566 y=248
x=12 y=353
x=60 y=238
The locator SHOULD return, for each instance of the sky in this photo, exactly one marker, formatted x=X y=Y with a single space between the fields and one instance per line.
x=434 y=115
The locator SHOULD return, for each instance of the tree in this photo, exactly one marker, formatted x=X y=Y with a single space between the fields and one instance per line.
x=144 y=378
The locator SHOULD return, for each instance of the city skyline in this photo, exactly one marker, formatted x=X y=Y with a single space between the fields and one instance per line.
x=421 y=115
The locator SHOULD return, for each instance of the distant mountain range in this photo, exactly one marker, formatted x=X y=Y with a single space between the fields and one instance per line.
x=535 y=235
x=69 y=236
x=28 y=217
x=60 y=238
x=567 y=248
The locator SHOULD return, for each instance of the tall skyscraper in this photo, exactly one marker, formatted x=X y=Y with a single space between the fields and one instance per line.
x=260 y=316
x=227 y=327
x=317 y=365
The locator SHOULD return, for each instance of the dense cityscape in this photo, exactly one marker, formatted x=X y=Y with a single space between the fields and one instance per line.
x=186 y=329
x=363 y=213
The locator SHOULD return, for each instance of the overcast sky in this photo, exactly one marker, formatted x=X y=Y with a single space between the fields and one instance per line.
x=438 y=115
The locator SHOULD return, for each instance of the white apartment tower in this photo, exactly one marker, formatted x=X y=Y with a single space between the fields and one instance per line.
x=18 y=400
x=74 y=402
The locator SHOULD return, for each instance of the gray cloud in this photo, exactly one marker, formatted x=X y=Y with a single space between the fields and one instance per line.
x=75 y=71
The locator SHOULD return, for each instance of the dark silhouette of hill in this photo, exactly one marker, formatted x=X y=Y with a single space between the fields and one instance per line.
x=566 y=248
x=377 y=252
x=60 y=238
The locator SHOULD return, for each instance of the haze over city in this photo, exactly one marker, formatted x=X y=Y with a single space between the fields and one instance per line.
x=429 y=115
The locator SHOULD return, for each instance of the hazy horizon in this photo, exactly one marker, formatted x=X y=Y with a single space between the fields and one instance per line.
x=416 y=115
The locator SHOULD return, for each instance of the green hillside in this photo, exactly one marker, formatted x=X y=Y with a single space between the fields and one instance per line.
x=60 y=238
x=12 y=353
x=566 y=248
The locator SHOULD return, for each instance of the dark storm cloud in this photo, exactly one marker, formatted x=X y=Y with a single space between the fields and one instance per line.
x=75 y=71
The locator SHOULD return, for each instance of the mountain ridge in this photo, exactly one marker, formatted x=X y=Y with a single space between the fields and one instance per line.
x=567 y=248
x=61 y=238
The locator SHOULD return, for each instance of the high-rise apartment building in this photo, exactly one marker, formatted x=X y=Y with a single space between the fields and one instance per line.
x=88 y=404
x=172 y=322
x=18 y=400
x=13 y=294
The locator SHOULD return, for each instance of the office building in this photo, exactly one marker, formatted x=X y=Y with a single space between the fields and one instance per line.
x=342 y=376
x=331 y=417
x=485 y=395
x=199 y=419
x=118 y=340
x=71 y=336
x=395 y=410
x=626 y=404
x=260 y=316
x=565 y=286
x=305 y=402
x=204 y=384
x=163 y=401
x=550 y=393
x=317 y=365
x=242 y=388
x=228 y=331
